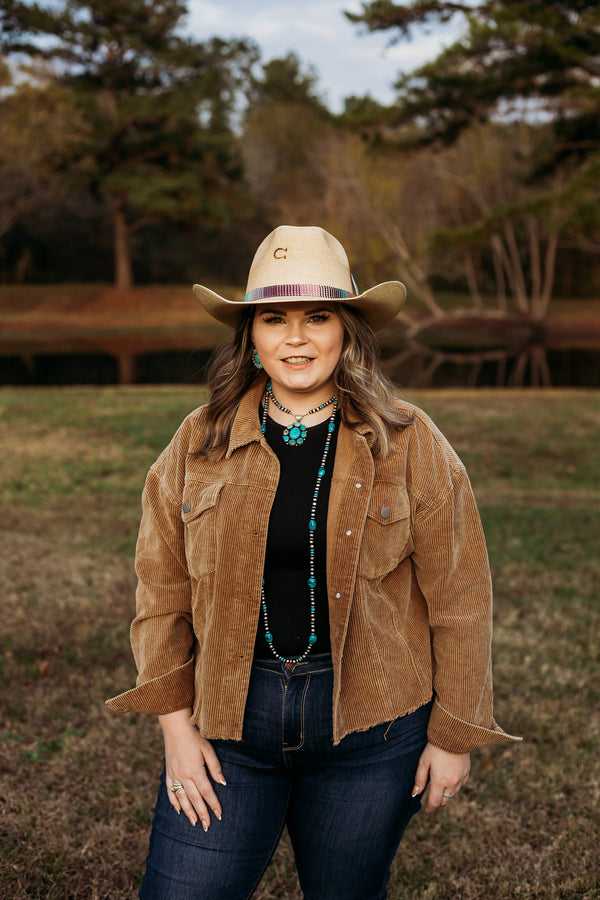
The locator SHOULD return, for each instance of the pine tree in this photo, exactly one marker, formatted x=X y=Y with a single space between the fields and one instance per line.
x=158 y=107
x=540 y=57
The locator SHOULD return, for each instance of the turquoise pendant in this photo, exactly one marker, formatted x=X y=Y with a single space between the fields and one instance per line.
x=295 y=434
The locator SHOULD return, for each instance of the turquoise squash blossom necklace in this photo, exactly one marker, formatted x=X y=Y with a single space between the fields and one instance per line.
x=295 y=434
x=312 y=527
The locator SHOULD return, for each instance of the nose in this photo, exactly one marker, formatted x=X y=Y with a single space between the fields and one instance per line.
x=296 y=335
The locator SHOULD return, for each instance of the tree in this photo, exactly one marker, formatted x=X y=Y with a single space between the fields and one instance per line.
x=158 y=143
x=33 y=144
x=540 y=56
x=528 y=185
x=535 y=60
x=281 y=130
x=518 y=60
x=283 y=80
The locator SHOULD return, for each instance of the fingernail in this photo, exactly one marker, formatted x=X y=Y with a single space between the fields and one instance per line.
x=217 y=815
x=222 y=781
x=415 y=792
x=178 y=811
x=193 y=824
x=205 y=826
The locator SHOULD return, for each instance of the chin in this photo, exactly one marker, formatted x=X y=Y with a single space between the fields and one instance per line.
x=301 y=383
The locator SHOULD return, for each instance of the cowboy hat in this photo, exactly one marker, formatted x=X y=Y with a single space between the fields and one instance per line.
x=300 y=263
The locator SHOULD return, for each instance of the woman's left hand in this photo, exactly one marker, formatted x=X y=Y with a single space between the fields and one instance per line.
x=446 y=773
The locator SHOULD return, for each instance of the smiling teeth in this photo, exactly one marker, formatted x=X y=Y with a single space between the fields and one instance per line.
x=297 y=359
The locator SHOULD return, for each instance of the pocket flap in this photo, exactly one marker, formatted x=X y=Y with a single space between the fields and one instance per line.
x=198 y=498
x=389 y=504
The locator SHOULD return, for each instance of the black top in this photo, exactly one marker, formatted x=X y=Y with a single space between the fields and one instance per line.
x=287 y=555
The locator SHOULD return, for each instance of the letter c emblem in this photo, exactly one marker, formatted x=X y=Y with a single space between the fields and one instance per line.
x=280 y=253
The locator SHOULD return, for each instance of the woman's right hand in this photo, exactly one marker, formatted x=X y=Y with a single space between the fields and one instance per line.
x=187 y=757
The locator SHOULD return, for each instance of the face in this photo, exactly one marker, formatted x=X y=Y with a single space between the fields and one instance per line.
x=299 y=345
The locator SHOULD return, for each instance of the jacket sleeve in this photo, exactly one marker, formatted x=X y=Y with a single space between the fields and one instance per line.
x=452 y=569
x=162 y=637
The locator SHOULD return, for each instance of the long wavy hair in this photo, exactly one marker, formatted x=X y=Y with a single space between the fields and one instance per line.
x=365 y=393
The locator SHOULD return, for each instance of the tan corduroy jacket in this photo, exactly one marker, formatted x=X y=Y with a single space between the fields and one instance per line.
x=407 y=573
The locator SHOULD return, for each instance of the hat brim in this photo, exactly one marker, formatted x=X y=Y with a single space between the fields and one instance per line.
x=379 y=304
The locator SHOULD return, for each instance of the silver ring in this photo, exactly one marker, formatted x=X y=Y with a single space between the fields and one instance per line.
x=177 y=787
x=448 y=796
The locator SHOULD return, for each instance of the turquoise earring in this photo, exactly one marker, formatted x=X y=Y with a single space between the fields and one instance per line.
x=256 y=359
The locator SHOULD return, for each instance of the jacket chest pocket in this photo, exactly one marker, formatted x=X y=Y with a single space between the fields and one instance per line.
x=199 y=514
x=387 y=538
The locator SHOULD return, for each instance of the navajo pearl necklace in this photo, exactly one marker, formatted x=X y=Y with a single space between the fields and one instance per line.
x=295 y=434
x=312 y=527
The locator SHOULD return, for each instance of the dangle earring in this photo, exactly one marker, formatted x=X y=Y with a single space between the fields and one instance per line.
x=256 y=359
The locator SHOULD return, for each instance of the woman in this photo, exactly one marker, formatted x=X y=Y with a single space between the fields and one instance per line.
x=314 y=603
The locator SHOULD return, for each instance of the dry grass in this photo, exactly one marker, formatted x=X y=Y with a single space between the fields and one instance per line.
x=77 y=782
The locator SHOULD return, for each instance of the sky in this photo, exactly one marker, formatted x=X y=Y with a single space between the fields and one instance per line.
x=346 y=61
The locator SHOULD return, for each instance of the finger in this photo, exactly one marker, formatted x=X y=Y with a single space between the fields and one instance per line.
x=441 y=797
x=195 y=807
x=174 y=801
x=196 y=794
x=182 y=802
x=202 y=797
x=212 y=764
x=434 y=799
x=448 y=796
x=173 y=794
x=205 y=788
x=194 y=810
x=440 y=794
x=421 y=777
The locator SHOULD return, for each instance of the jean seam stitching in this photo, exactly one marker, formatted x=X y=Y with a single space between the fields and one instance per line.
x=283 y=688
x=302 y=716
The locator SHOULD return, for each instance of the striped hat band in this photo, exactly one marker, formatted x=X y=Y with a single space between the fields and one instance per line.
x=297 y=290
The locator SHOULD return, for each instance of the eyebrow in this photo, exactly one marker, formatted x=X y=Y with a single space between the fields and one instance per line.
x=282 y=312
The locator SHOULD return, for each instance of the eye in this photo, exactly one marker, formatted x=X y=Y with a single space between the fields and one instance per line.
x=319 y=317
x=272 y=318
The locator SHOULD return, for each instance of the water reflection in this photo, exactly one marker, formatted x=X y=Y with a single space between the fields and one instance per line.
x=471 y=349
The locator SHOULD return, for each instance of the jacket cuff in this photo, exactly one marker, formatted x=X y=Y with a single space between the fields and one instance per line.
x=459 y=736
x=161 y=695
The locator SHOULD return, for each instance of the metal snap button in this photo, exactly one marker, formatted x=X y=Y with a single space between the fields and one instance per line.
x=186 y=507
x=385 y=512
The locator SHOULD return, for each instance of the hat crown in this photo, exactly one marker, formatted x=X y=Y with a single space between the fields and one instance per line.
x=304 y=264
x=300 y=255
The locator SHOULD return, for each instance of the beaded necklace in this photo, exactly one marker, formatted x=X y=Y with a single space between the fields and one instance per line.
x=312 y=527
x=295 y=434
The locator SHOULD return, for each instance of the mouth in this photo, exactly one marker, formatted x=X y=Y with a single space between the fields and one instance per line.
x=297 y=360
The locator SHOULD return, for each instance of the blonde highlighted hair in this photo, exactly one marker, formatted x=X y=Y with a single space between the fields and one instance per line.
x=365 y=394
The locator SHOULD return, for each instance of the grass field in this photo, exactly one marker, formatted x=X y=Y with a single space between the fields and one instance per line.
x=77 y=782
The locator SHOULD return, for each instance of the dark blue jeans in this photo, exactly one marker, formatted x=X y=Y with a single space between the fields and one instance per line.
x=345 y=807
